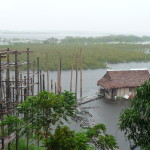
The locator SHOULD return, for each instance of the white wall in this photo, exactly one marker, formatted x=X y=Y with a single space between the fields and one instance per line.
x=125 y=91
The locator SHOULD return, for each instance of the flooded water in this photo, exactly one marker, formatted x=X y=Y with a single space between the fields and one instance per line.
x=103 y=112
x=50 y=34
x=90 y=77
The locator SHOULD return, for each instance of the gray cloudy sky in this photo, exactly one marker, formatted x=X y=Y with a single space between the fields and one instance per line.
x=111 y=16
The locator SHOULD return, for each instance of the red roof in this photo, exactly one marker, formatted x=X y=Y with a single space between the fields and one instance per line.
x=122 y=79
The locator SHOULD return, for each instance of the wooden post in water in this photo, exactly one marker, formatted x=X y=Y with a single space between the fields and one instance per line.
x=60 y=87
x=55 y=88
x=76 y=85
x=32 y=87
x=33 y=78
x=81 y=74
x=43 y=82
x=40 y=81
x=72 y=68
x=38 y=75
x=51 y=85
x=47 y=71
x=58 y=75
x=28 y=72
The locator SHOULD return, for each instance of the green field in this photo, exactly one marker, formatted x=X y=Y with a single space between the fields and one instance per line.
x=95 y=55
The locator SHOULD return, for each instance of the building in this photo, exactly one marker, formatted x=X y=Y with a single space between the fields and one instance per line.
x=122 y=84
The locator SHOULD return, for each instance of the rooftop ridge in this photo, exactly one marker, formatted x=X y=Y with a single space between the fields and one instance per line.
x=128 y=69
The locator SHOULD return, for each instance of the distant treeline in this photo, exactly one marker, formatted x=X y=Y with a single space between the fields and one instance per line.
x=83 y=40
x=103 y=39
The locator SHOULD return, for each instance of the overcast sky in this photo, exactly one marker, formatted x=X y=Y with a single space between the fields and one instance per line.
x=108 y=16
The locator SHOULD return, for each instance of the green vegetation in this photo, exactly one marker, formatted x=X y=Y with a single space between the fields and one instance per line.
x=119 y=98
x=43 y=118
x=96 y=54
x=23 y=145
x=135 y=121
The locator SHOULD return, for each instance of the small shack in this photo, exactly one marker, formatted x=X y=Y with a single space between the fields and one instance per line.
x=122 y=84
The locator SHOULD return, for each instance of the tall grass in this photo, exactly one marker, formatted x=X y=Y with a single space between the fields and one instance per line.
x=94 y=55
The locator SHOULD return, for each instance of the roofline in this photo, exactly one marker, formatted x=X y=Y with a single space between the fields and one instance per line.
x=119 y=87
x=136 y=69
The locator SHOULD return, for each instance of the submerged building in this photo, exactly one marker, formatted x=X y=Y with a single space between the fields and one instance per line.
x=122 y=84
